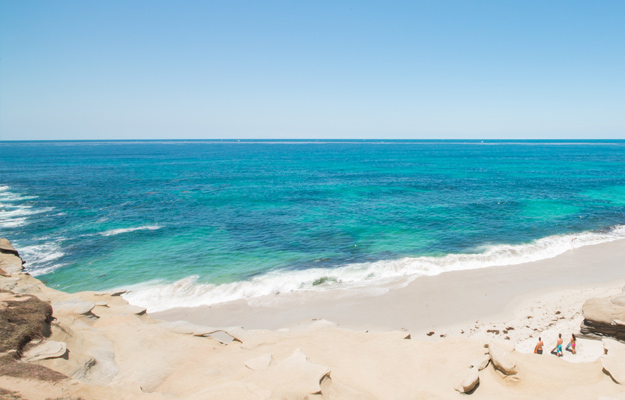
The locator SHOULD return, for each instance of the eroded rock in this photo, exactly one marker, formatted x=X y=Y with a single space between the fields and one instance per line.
x=603 y=317
x=189 y=328
x=130 y=309
x=469 y=381
x=10 y=264
x=7 y=247
x=44 y=350
x=294 y=377
x=500 y=355
x=73 y=306
x=614 y=367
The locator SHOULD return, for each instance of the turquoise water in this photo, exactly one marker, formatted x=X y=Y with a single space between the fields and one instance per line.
x=186 y=223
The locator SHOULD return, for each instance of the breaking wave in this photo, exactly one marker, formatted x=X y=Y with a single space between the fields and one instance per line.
x=189 y=292
x=114 y=232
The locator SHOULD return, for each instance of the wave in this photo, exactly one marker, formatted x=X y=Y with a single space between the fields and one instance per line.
x=20 y=211
x=188 y=292
x=14 y=215
x=114 y=232
x=9 y=197
x=42 y=258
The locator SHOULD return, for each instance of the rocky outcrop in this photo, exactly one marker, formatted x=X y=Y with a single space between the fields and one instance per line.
x=7 y=247
x=45 y=350
x=500 y=355
x=73 y=306
x=604 y=317
x=10 y=261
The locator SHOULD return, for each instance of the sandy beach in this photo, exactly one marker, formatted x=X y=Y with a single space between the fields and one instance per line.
x=335 y=345
x=443 y=303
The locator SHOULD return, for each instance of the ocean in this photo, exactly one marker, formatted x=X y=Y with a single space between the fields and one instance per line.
x=188 y=223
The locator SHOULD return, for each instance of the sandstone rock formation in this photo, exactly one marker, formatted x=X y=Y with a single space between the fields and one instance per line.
x=44 y=350
x=500 y=355
x=604 y=317
x=10 y=261
x=73 y=306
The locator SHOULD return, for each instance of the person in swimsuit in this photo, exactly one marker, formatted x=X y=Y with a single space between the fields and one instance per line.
x=558 y=349
x=571 y=346
x=539 y=346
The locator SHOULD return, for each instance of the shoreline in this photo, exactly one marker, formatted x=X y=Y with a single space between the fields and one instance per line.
x=111 y=349
x=428 y=303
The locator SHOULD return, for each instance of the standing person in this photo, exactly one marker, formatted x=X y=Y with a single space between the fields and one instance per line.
x=539 y=346
x=558 y=349
x=571 y=346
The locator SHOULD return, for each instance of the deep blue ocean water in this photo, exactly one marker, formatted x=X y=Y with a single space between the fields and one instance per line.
x=200 y=222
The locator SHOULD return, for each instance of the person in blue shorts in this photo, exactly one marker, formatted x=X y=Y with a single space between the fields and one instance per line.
x=558 y=349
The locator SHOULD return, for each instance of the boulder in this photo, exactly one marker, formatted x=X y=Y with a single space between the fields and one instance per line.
x=259 y=363
x=469 y=381
x=47 y=349
x=603 y=317
x=73 y=306
x=500 y=355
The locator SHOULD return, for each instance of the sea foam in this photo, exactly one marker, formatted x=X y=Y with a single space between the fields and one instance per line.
x=114 y=232
x=189 y=292
x=13 y=214
x=42 y=258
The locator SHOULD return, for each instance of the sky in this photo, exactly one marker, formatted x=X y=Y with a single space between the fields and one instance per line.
x=233 y=69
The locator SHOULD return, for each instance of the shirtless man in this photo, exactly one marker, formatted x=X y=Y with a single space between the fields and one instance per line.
x=539 y=346
x=558 y=349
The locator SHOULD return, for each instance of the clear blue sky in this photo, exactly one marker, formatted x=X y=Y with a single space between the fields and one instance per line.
x=312 y=69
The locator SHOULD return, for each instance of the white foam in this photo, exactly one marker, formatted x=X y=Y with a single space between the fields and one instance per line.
x=41 y=258
x=188 y=292
x=14 y=215
x=113 y=232
x=20 y=211
x=9 y=197
x=12 y=223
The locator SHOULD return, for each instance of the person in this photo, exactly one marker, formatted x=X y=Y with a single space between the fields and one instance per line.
x=558 y=349
x=571 y=346
x=539 y=346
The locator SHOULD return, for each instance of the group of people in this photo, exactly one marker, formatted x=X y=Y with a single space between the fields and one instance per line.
x=558 y=349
